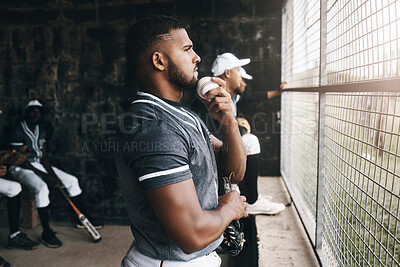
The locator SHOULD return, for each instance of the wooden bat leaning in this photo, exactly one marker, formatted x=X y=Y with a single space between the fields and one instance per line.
x=86 y=223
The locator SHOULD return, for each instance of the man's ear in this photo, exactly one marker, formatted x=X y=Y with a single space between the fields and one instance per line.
x=158 y=60
x=227 y=73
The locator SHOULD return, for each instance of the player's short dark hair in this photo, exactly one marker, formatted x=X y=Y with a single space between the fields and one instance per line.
x=146 y=33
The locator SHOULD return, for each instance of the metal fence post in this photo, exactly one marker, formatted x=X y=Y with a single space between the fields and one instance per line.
x=321 y=129
x=321 y=173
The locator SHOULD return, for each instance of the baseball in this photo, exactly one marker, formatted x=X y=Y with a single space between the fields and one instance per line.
x=204 y=85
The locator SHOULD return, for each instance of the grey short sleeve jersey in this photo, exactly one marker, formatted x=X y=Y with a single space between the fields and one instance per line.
x=163 y=143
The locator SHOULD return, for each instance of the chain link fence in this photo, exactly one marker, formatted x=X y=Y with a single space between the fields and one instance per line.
x=300 y=139
x=340 y=140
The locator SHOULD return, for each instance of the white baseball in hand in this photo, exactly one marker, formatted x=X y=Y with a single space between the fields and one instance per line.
x=204 y=85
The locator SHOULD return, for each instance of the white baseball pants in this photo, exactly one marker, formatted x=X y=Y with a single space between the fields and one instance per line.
x=9 y=188
x=36 y=184
x=136 y=259
x=251 y=144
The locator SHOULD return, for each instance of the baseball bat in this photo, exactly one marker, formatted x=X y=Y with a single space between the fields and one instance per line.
x=85 y=222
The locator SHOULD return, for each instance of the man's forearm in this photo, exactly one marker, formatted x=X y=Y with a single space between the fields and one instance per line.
x=190 y=226
x=233 y=153
x=208 y=227
x=274 y=93
x=46 y=164
x=47 y=177
x=27 y=165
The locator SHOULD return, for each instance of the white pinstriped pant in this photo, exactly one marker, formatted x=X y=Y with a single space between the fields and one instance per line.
x=39 y=187
x=136 y=259
x=9 y=188
x=252 y=144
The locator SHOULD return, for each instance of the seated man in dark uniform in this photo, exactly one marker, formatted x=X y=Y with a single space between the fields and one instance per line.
x=36 y=173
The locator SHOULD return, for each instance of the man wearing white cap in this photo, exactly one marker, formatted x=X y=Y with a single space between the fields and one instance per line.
x=36 y=172
x=229 y=68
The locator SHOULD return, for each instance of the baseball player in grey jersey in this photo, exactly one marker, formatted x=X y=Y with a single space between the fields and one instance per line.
x=170 y=172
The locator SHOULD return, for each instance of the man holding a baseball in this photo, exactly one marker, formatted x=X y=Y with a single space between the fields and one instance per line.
x=170 y=185
x=230 y=69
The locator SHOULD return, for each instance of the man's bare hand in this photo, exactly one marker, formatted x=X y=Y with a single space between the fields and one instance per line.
x=282 y=86
x=219 y=103
x=236 y=203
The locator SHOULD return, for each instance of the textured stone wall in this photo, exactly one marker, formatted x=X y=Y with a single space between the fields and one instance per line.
x=69 y=54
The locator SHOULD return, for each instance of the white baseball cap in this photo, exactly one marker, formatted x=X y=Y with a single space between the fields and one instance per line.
x=33 y=103
x=227 y=61
x=245 y=75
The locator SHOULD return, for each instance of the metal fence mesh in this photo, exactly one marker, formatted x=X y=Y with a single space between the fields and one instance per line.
x=342 y=168
x=361 y=213
x=362 y=179
x=300 y=43
x=362 y=40
x=299 y=152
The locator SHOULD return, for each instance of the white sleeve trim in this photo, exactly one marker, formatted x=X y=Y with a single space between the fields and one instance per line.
x=161 y=173
x=17 y=144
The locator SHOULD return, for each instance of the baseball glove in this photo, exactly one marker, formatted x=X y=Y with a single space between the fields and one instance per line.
x=244 y=123
x=15 y=156
x=233 y=235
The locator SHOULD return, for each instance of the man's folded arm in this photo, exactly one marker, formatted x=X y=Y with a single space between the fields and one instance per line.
x=186 y=223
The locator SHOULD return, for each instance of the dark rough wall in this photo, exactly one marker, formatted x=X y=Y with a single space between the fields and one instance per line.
x=69 y=54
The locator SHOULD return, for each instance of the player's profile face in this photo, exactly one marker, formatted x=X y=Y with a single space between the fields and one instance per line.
x=182 y=61
x=235 y=80
x=33 y=115
x=242 y=87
